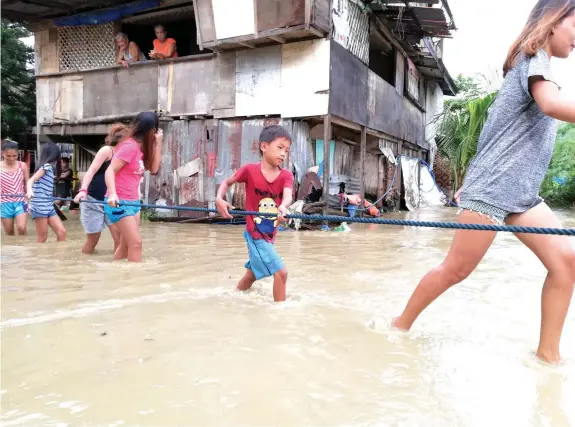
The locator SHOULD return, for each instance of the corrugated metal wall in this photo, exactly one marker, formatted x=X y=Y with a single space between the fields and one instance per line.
x=184 y=141
x=301 y=152
x=351 y=28
x=371 y=171
x=84 y=159
x=342 y=158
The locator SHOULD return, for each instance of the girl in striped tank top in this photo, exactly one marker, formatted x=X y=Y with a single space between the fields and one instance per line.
x=41 y=196
x=13 y=177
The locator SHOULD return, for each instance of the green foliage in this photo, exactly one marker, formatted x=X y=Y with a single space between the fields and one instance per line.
x=18 y=106
x=461 y=123
x=558 y=187
x=146 y=214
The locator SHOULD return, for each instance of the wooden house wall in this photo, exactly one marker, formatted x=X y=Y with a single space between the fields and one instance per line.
x=290 y=80
x=224 y=20
x=361 y=96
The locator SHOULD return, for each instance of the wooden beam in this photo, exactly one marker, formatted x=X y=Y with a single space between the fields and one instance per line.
x=53 y=4
x=326 y=171
x=399 y=178
x=256 y=31
x=348 y=141
x=362 y=149
x=93 y=120
x=385 y=31
x=345 y=123
x=381 y=179
x=38 y=144
x=246 y=44
x=198 y=29
x=307 y=12
x=278 y=39
x=420 y=155
x=316 y=32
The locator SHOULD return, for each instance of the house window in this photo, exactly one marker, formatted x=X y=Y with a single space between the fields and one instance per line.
x=180 y=25
x=382 y=56
x=85 y=47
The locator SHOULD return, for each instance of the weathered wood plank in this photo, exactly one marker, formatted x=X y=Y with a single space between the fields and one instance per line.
x=46 y=51
x=69 y=104
x=115 y=91
x=205 y=20
x=224 y=85
x=305 y=78
x=362 y=149
x=186 y=87
x=320 y=17
x=258 y=81
x=279 y=13
x=399 y=73
x=46 y=98
x=348 y=86
x=233 y=18
x=326 y=147
x=393 y=114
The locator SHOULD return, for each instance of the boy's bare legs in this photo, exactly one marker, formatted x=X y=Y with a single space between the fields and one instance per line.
x=280 y=280
x=247 y=281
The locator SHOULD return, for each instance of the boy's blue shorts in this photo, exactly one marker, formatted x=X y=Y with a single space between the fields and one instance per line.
x=117 y=213
x=264 y=260
x=13 y=209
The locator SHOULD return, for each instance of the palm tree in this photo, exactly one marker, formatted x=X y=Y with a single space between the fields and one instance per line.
x=460 y=125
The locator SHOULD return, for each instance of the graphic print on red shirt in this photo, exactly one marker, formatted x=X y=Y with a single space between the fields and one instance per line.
x=263 y=196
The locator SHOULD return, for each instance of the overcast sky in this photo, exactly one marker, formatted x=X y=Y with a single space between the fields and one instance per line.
x=486 y=29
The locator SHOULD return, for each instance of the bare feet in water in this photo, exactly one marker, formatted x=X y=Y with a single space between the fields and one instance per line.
x=397 y=325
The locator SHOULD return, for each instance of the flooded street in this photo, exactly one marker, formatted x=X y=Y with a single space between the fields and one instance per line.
x=86 y=341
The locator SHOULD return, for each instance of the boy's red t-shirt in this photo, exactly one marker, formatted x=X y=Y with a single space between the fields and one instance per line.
x=263 y=196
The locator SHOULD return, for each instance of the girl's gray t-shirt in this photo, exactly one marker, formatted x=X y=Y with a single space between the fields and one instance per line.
x=516 y=144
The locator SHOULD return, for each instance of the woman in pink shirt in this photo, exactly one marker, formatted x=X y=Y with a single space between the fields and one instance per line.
x=141 y=151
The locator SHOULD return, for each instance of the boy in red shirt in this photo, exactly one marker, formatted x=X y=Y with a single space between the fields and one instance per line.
x=269 y=189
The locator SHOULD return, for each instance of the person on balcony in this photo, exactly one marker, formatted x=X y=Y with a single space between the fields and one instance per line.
x=128 y=52
x=164 y=47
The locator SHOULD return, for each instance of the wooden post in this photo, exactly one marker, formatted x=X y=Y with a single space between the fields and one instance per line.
x=362 y=149
x=419 y=165
x=399 y=176
x=380 y=179
x=326 y=171
x=38 y=143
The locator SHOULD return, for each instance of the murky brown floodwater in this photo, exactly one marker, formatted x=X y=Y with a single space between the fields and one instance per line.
x=169 y=342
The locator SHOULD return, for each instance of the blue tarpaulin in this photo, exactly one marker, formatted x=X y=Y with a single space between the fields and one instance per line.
x=105 y=15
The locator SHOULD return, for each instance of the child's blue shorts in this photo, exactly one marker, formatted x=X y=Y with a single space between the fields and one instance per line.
x=119 y=212
x=13 y=209
x=264 y=260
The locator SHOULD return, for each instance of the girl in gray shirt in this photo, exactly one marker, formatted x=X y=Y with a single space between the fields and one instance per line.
x=502 y=182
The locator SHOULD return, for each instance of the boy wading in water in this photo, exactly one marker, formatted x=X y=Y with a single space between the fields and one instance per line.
x=269 y=190
x=503 y=180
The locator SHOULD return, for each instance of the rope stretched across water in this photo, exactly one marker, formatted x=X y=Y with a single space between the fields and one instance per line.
x=337 y=218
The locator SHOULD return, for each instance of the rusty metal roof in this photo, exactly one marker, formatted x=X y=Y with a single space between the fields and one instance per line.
x=416 y=21
x=37 y=10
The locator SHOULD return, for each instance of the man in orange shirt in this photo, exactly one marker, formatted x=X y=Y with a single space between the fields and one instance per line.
x=163 y=47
